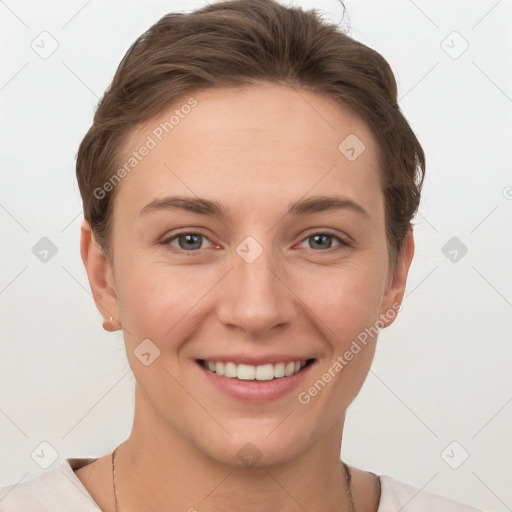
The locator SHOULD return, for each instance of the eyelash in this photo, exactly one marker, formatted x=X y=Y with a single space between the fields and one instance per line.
x=342 y=243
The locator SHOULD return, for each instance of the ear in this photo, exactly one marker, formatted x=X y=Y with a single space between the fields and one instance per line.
x=396 y=281
x=101 y=280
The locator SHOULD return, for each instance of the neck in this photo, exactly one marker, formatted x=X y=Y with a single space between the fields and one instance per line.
x=156 y=467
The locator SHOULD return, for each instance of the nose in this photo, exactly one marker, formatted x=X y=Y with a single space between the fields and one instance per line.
x=255 y=298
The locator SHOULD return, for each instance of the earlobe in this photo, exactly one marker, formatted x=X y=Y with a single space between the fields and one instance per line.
x=99 y=273
x=111 y=324
x=395 y=292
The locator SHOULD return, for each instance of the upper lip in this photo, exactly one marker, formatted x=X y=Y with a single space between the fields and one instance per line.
x=254 y=360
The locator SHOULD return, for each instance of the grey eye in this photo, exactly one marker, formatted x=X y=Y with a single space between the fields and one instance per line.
x=320 y=241
x=188 y=241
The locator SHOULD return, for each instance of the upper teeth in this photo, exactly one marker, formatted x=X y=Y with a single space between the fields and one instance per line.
x=250 y=372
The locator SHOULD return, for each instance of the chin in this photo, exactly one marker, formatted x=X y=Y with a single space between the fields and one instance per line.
x=253 y=449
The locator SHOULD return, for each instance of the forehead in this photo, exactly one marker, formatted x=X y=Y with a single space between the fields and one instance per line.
x=288 y=120
x=253 y=143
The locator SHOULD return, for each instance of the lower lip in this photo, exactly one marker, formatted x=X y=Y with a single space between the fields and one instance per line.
x=256 y=391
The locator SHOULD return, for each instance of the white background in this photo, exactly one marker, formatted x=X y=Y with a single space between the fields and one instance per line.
x=441 y=372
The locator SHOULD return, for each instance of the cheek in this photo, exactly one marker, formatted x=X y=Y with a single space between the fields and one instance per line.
x=347 y=298
x=346 y=312
x=159 y=302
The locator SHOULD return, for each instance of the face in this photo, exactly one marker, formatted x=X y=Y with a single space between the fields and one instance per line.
x=275 y=253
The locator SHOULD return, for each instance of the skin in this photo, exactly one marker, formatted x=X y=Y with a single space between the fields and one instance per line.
x=255 y=150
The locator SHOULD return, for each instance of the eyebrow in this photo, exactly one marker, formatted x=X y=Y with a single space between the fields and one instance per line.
x=314 y=204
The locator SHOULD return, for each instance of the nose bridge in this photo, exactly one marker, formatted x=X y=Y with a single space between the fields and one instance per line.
x=253 y=266
x=258 y=299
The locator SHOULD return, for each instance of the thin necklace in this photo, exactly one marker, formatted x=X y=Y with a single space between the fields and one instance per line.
x=348 y=479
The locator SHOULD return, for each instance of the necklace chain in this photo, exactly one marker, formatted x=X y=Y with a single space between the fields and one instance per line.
x=348 y=479
x=114 y=475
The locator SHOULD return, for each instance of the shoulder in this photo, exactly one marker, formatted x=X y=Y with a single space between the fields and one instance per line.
x=53 y=490
x=399 y=496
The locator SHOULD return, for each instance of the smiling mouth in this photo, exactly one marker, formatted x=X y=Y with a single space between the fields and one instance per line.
x=248 y=372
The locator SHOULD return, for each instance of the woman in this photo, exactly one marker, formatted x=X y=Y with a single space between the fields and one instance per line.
x=248 y=187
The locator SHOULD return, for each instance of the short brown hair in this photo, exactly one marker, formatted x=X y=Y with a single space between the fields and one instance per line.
x=243 y=42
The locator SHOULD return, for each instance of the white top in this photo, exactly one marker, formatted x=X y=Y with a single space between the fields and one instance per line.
x=60 y=490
